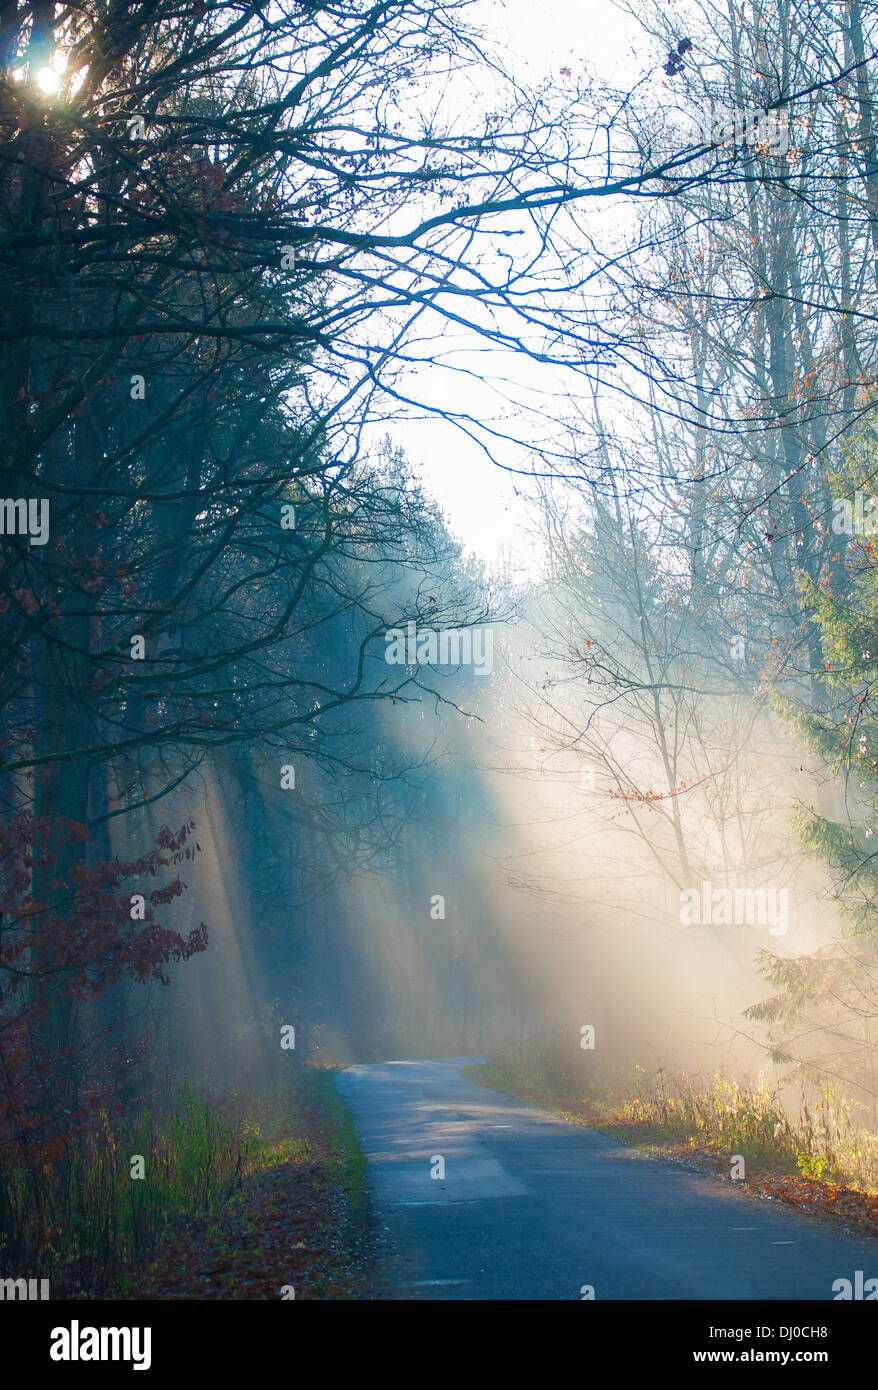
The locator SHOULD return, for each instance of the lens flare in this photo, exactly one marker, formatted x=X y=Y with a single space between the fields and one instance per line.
x=48 y=81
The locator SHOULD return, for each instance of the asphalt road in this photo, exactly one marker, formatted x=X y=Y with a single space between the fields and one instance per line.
x=530 y=1207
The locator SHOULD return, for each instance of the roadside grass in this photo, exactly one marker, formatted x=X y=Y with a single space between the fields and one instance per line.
x=297 y=1224
x=824 y=1161
x=218 y=1167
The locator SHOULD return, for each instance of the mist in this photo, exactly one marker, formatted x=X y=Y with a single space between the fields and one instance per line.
x=438 y=603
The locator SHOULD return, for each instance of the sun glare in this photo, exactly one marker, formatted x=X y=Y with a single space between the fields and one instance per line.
x=48 y=81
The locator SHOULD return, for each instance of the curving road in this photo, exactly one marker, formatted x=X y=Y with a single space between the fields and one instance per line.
x=530 y=1207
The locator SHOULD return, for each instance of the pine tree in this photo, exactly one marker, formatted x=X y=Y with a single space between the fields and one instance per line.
x=825 y=1003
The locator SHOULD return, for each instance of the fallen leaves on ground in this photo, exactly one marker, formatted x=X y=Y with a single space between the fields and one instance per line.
x=830 y=1199
x=290 y=1225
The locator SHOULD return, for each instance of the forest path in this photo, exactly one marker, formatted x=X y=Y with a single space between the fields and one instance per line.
x=532 y=1207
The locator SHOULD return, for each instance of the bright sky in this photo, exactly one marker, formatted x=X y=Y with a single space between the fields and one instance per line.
x=485 y=507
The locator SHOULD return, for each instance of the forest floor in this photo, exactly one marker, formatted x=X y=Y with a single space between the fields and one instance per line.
x=769 y=1178
x=296 y=1226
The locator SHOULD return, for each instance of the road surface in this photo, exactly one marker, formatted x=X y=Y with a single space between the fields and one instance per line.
x=526 y=1206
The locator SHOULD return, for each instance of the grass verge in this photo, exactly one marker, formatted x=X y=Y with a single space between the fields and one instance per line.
x=217 y=1192
x=296 y=1225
